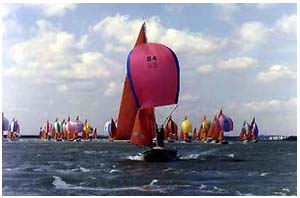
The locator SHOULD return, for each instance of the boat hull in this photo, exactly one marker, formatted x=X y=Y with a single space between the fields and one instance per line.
x=159 y=154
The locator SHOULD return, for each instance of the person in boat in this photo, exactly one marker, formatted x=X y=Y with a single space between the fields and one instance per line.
x=41 y=132
x=160 y=136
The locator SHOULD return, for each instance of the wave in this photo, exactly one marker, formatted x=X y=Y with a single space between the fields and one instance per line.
x=264 y=174
x=243 y=194
x=59 y=183
x=115 y=171
x=197 y=155
x=89 y=152
x=135 y=157
x=190 y=156
x=231 y=155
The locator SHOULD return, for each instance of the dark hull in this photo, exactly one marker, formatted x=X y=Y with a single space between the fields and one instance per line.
x=160 y=155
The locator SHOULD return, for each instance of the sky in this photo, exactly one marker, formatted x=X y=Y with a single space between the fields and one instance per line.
x=62 y=60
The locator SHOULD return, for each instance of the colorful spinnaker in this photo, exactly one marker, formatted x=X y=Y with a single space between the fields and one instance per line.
x=153 y=73
x=226 y=122
x=5 y=124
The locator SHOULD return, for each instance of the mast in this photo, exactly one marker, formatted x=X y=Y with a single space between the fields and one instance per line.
x=128 y=108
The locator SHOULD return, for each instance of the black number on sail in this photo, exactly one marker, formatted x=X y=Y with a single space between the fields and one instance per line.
x=149 y=58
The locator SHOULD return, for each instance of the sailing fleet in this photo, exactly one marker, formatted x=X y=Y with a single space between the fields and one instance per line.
x=152 y=80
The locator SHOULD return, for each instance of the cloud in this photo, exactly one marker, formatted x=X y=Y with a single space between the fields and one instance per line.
x=271 y=105
x=119 y=29
x=243 y=62
x=62 y=87
x=174 y=8
x=263 y=6
x=10 y=26
x=226 y=11
x=112 y=89
x=253 y=32
x=188 y=98
x=50 y=10
x=5 y=11
x=287 y=24
x=276 y=72
x=205 y=69
x=92 y=65
x=54 y=55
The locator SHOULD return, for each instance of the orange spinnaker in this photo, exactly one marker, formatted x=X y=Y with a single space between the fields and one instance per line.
x=144 y=127
x=129 y=116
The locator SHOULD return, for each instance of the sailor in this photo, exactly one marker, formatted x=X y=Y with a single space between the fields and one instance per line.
x=41 y=132
x=160 y=136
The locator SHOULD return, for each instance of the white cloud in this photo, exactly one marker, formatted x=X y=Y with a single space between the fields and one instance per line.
x=5 y=11
x=276 y=72
x=92 y=65
x=54 y=9
x=62 y=87
x=271 y=105
x=119 y=30
x=287 y=24
x=253 y=32
x=227 y=10
x=188 y=98
x=175 y=8
x=243 y=62
x=112 y=89
x=263 y=6
x=55 y=55
x=205 y=69
x=10 y=26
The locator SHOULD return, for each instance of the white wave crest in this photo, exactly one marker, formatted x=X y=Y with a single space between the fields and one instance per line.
x=264 y=174
x=135 y=157
x=60 y=184
x=115 y=171
x=191 y=156
x=153 y=182
x=231 y=155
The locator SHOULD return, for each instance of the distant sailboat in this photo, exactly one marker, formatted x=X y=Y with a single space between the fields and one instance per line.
x=254 y=133
x=204 y=129
x=194 y=136
x=171 y=130
x=226 y=125
x=186 y=129
x=152 y=80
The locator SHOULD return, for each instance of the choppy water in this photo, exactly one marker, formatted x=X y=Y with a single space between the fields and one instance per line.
x=34 y=167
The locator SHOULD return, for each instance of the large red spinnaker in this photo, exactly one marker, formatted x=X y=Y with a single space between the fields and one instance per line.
x=153 y=72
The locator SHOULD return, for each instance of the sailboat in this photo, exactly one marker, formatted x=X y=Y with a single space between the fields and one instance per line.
x=171 y=130
x=186 y=129
x=194 y=136
x=204 y=129
x=152 y=80
x=5 y=125
x=226 y=125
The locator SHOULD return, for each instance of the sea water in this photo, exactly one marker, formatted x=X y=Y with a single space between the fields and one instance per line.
x=35 y=167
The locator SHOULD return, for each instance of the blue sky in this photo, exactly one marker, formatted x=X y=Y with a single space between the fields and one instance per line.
x=69 y=59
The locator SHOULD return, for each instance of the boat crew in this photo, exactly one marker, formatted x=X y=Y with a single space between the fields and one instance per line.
x=160 y=136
